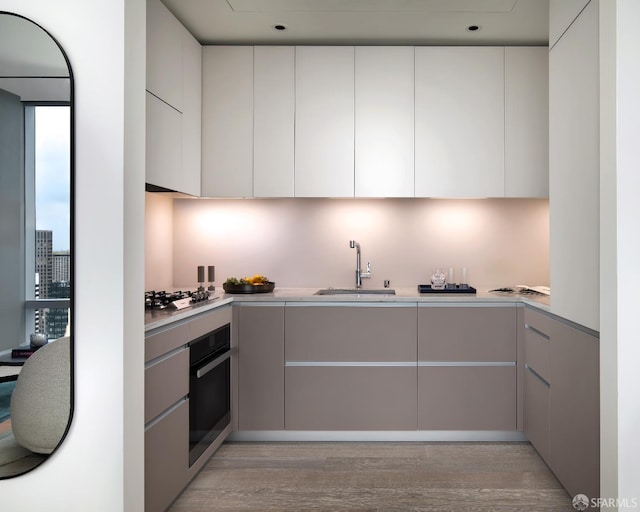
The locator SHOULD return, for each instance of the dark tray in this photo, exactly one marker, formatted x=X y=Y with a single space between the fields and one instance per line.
x=249 y=288
x=426 y=288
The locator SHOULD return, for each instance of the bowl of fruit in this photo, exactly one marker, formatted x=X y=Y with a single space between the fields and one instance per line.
x=255 y=284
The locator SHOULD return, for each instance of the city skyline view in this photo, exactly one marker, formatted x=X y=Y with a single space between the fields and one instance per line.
x=52 y=198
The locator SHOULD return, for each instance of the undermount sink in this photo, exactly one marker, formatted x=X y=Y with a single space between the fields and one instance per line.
x=354 y=291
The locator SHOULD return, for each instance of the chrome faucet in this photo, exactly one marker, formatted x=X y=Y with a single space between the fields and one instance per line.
x=359 y=273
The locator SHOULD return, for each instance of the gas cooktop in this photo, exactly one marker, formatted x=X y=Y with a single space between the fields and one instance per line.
x=159 y=300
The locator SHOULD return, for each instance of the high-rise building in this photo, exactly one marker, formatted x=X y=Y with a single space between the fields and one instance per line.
x=44 y=260
x=58 y=318
x=38 y=319
x=61 y=272
x=44 y=274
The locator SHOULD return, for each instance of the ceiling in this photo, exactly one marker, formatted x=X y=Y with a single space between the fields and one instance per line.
x=365 y=22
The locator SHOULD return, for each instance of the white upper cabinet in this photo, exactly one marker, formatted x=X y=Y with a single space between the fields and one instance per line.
x=273 y=121
x=343 y=121
x=227 y=121
x=324 y=129
x=526 y=122
x=562 y=13
x=164 y=54
x=459 y=123
x=174 y=78
x=191 y=113
x=384 y=108
x=574 y=171
x=163 y=144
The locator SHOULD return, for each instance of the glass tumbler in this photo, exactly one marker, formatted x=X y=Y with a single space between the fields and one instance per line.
x=439 y=279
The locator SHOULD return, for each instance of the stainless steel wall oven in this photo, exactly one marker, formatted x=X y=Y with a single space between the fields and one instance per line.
x=209 y=389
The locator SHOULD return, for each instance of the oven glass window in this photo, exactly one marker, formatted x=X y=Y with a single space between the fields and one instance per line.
x=209 y=406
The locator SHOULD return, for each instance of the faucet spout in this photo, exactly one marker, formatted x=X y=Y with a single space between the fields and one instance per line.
x=359 y=274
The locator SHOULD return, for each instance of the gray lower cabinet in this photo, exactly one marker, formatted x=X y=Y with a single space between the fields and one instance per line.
x=561 y=399
x=261 y=366
x=536 y=412
x=574 y=410
x=166 y=416
x=165 y=383
x=467 y=398
x=166 y=458
x=350 y=332
x=350 y=398
x=350 y=367
x=537 y=370
x=467 y=367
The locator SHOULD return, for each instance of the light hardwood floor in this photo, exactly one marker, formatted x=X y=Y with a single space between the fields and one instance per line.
x=389 y=477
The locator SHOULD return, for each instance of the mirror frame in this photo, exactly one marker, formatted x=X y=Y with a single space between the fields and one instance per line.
x=72 y=231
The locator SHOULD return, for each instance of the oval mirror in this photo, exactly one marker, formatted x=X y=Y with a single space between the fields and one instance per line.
x=36 y=244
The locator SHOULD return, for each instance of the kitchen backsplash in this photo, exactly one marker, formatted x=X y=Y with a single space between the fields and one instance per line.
x=305 y=242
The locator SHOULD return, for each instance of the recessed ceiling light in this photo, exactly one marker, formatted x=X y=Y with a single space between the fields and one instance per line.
x=280 y=27
x=473 y=28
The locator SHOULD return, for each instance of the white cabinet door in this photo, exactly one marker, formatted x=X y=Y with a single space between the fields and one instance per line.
x=191 y=114
x=526 y=165
x=273 y=120
x=384 y=106
x=227 y=121
x=459 y=109
x=163 y=144
x=562 y=13
x=324 y=129
x=164 y=54
x=574 y=171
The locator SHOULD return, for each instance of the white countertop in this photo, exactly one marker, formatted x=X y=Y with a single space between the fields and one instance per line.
x=157 y=319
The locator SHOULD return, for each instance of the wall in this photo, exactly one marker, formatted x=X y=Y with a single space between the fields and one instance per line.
x=12 y=316
x=628 y=246
x=88 y=471
x=305 y=242
x=620 y=250
x=158 y=241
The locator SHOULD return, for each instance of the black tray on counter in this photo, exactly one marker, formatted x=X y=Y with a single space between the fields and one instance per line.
x=249 y=288
x=426 y=288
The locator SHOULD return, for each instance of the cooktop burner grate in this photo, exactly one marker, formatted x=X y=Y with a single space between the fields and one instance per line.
x=163 y=299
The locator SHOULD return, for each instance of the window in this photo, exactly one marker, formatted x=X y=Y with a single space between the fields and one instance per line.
x=47 y=219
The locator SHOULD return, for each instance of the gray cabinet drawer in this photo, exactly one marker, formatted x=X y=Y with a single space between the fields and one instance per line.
x=159 y=343
x=209 y=321
x=350 y=398
x=539 y=321
x=467 y=398
x=536 y=413
x=166 y=458
x=165 y=383
x=467 y=333
x=344 y=333
x=536 y=351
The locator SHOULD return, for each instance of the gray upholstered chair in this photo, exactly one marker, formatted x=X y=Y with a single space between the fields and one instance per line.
x=41 y=401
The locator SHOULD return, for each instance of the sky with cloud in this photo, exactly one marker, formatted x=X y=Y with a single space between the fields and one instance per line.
x=53 y=173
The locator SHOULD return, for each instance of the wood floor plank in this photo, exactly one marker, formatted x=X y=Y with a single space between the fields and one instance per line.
x=374 y=477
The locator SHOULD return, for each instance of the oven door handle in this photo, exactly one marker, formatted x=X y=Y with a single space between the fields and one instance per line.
x=201 y=372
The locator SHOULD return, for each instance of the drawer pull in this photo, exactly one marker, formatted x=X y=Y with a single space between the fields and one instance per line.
x=351 y=363
x=539 y=333
x=537 y=375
